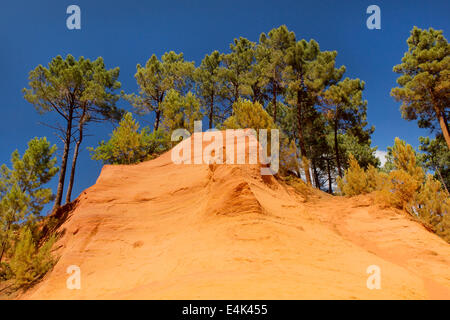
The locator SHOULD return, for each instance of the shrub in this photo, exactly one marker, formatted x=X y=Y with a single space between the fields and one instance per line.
x=404 y=158
x=375 y=179
x=404 y=187
x=400 y=189
x=247 y=114
x=29 y=262
x=433 y=206
x=128 y=144
x=404 y=179
x=442 y=228
x=356 y=180
x=436 y=157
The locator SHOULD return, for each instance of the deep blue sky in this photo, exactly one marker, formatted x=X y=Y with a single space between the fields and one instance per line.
x=128 y=32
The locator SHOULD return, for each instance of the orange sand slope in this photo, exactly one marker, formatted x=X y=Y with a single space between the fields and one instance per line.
x=158 y=230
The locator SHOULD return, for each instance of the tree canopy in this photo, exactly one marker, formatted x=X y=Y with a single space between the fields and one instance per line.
x=424 y=81
x=294 y=82
x=78 y=91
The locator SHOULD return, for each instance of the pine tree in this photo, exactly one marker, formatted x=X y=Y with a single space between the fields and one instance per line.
x=309 y=71
x=237 y=67
x=22 y=191
x=181 y=111
x=347 y=109
x=156 y=78
x=209 y=77
x=23 y=258
x=424 y=81
x=361 y=150
x=254 y=83
x=270 y=54
x=299 y=58
x=404 y=158
x=78 y=91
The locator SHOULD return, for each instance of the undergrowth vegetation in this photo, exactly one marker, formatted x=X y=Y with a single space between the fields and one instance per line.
x=403 y=186
x=25 y=251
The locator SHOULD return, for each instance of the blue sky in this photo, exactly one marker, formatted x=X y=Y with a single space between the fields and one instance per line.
x=128 y=32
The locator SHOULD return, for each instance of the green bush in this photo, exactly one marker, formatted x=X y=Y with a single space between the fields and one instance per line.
x=404 y=187
x=433 y=206
x=247 y=114
x=128 y=144
x=30 y=262
x=22 y=198
x=356 y=180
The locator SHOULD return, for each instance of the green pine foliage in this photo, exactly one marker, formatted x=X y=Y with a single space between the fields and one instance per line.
x=347 y=113
x=247 y=114
x=128 y=144
x=362 y=152
x=433 y=206
x=29 y=262
x=277 y=82
x=180 y=112
x=155 y=79
x=424 y=80
x=280 y=82
x=22 y=190
x=77 y=92
x=356 y=180
x=209 y=78
x=296 y=83
x=436 y=158
x=404 y=187
x=23 y=197
x=237 y=75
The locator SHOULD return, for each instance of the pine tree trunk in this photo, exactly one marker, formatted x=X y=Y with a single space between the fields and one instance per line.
x=4 y=242
x=274 y=102
x=316 y=175
x=74 y=160
x=301 y=140
x=303 y=152
x=3 y=251
x=254 y=93
x=211 y=112
x=72 y=172
x=330 y=187
x=442 y=179
x=62 y=170
x=336 y=147
x=444 y=126
x=157 y=119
